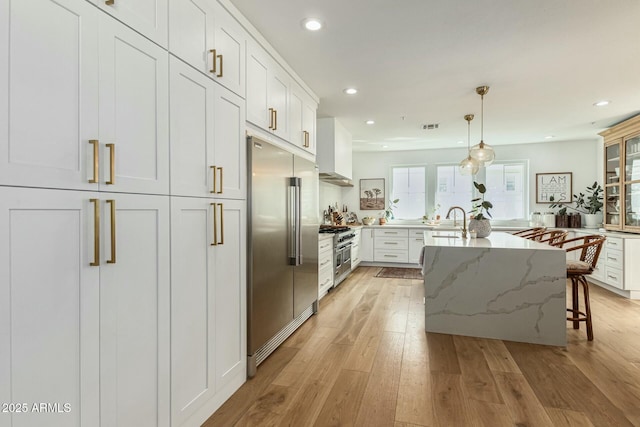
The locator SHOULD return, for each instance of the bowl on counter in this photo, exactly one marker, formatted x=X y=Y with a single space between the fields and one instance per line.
x=368 y=220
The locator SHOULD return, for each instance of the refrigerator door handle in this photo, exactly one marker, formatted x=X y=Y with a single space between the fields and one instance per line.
x=298 y=221
x=292 y=222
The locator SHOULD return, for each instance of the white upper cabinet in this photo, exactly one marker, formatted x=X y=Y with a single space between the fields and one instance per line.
x=267 y=92
x=206 y=36
x=208 y=149
x=134 y=113
x=47 y=118
x=149 y=17
x=302 y=115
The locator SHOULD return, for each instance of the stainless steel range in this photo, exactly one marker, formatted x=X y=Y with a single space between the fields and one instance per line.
x=342 y=240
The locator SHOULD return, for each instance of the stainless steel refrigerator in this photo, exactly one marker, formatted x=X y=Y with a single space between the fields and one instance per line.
x=283 y=247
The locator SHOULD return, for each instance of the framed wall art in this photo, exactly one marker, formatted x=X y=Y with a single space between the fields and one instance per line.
x=372 y=195
x=554 y=187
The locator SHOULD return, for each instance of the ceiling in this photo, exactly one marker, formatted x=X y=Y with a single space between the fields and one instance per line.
x=417 y=62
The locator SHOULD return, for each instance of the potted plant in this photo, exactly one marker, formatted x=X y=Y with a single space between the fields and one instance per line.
x=479 y=212
x=588 y=203
x=388 y=213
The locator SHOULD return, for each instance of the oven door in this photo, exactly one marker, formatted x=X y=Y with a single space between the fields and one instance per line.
x=342 y=262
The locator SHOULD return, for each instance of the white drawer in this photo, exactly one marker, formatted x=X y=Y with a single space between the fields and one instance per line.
x=391 y=256
x=613 y=276
x=391 y=232
x=324 y=245
x=613 y=258
x=598 y=272
x=614 y=243
x=325 y=261
x=394 y=243
x=417 y=233
x=325 y=280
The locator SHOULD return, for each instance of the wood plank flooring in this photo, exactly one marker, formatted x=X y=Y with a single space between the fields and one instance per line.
x=365 y=360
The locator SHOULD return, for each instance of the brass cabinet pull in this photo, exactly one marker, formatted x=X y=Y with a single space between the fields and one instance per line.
x=306 y=138
x=213 y=190
x=213 y=70
x=112 y=205
x=96 y=232
x=112 y=164
x=221 y=242
x=275 y=120
x=270 y=118
x=221 y=174
x=215 y=225
x=109 y=2
x=96 y=162
x=221 y=66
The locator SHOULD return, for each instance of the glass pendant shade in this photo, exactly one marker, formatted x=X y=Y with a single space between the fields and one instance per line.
x=469 y=166
x=483 y=154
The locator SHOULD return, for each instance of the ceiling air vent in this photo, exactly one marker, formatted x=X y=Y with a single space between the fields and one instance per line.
x=431 y=126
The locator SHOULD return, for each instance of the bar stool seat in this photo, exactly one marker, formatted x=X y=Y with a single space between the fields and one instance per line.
x=577 y=270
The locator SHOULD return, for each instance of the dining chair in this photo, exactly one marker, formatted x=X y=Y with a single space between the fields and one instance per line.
x=529 y=231
x=550 y=237
x=577 y=270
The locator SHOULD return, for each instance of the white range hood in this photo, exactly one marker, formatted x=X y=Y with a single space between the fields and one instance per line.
x=333 y=152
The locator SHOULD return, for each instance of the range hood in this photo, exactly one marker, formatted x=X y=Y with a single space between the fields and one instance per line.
x=335 y=179
x=333 y=152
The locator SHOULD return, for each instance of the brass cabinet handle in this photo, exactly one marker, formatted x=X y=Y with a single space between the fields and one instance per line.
x=221 y=66
x=213 y=168
x=275 y=120
x=96 y=162
x=270 y=118
x=221 y=177
x=221 y=242
x=112 y=164
x=306 y=139
x=96 y=232
x=215 y=225
x=213 y=70
x=112 y=205
x=109 y=2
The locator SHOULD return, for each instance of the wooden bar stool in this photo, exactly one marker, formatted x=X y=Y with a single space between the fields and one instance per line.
x=550 y=237
x=590 y=247
x=529 y=231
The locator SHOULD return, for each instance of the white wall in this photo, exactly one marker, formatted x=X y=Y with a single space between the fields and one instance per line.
x=331 y=194
x=582 y=158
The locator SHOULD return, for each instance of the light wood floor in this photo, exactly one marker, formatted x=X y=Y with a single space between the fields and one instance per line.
x=365 y=360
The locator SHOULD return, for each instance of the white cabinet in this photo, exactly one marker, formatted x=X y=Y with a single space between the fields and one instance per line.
x=52 y=134
x=208 y=149
x=391 y=245
x=204 y=35
x=48 y=118
x=355 y=249
x=366 y=245
x=325 y=266
x=302 y=114
x=49 y=305
x=89 y=326
x=208 y=347
x=416 y=242
x=267 y=92
x=148 y=17
x=134 y=113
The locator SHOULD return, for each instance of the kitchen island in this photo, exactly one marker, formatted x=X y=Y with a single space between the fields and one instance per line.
x=502 y=287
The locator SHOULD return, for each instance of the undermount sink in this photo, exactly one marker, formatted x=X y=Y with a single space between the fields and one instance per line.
x=448 y=236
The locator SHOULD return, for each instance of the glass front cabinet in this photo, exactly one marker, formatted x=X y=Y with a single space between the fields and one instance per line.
x=622 y=176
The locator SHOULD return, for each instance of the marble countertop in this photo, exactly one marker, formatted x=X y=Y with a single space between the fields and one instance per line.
x=496 y=239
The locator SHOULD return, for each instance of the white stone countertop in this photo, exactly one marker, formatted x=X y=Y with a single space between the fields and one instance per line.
x=497 y=239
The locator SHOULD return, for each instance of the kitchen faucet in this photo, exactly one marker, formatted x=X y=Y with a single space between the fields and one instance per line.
x=464 y=220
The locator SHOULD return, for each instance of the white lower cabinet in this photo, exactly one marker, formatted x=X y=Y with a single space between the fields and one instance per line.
x=366 y=245
x=208 y=306
x=84 y=291
x=325 y=266
x=391 y=245
x=416 y=242
x=355 y=249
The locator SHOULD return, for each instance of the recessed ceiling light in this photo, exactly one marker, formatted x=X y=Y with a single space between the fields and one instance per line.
x=370 y=122
x=312 y=24
x=601 y=103
x=549 y=136
x=460 y=142
x=385 y=146
x=350 y=91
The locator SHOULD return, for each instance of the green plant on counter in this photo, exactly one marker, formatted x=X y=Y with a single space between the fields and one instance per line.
x=388 y=213
x=589 y=203
x=480 y=205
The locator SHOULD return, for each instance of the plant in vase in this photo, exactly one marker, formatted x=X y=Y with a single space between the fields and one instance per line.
x=479 y=212
x=589 y=204
x=388 y=213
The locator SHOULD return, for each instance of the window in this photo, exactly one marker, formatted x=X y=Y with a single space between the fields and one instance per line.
x=506 y=182
x=408 y=184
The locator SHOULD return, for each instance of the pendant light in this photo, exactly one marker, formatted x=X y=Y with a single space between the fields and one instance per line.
x=469 y=166
x=483 y=153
